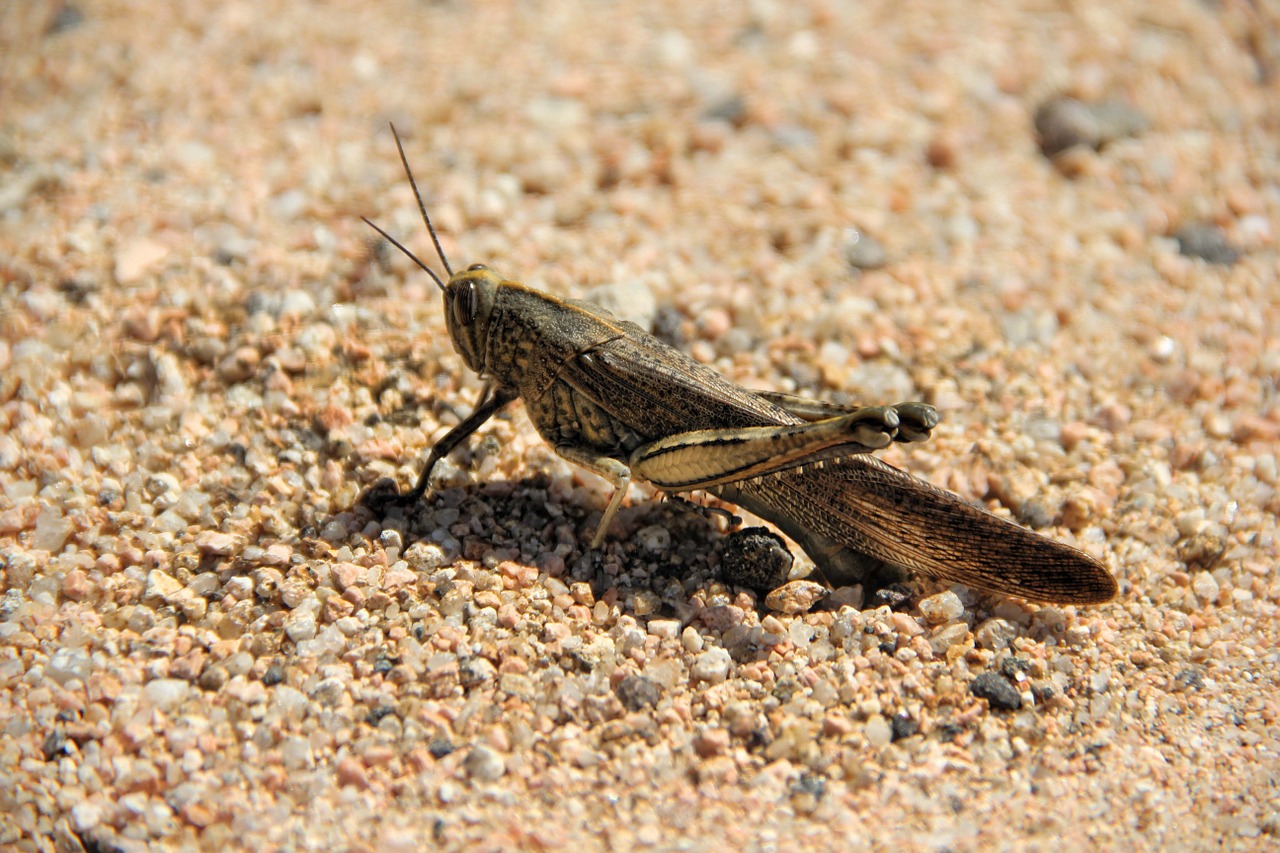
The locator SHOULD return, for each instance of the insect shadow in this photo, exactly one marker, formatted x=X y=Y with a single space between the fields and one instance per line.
x=523 y=521
x=661 y=544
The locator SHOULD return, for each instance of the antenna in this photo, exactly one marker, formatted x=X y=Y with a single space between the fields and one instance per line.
x=421 y=207
x=393 y=241
x=427 y=219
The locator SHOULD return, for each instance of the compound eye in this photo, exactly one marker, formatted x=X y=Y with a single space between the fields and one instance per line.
x=464 y=303
x=475 y=267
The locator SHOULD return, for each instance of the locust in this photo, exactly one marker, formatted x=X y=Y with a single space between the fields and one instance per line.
x=610 y=397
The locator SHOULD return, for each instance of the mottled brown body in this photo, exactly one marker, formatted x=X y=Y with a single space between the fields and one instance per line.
x=582 y=347
x=621 y=403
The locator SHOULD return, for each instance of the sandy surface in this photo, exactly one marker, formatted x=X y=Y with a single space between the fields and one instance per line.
x=205 y=360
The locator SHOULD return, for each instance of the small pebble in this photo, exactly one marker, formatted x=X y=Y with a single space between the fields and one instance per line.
x=301 y=626
x=1207 y=242
x=161 y=585
x=1206 y=588
x=76 y=585
x=52 y=530
x=999 y=692
x=712 y=666
x=667 y=629
x=892 y=595
x=948 y=636
x=1064 y=123
x=903 y=726
x=655 y=539
x=711 y=741
x=1202 y=550
x=773 y=626
x=166 y=693
x=862 y=251
x=66 y=664
x=296 y=752
x=216 y=543
x=878 y=731
x=350 y=772
x=796 y=597
x=995 y=634
x=138 y=257
x=484 y=764
x=940 y=608
x=86 y=815
x=627 y=300
x=723 y=617
x=637 y=692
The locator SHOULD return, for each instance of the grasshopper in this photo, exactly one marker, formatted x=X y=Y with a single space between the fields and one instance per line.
x=617 y=401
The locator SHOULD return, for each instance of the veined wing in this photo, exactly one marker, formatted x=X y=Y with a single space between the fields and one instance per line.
x=637 y=372
x=877 y=509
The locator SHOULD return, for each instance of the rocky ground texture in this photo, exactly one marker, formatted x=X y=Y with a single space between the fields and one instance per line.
x=1055 y=223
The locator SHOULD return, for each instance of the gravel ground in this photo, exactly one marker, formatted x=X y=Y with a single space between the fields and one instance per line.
x=206 y=641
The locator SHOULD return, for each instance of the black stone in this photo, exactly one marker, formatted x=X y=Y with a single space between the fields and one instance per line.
x=999 y=692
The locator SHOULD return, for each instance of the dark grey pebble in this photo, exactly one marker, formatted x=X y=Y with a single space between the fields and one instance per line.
x=902 y=726
x=997 y=690
x=637 y=692
x=1206 y=242
x=1064 y=123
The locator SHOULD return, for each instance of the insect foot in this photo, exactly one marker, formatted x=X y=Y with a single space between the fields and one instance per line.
x=915 y=421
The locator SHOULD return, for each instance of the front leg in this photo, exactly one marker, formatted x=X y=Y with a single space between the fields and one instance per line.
x=487 y=408
x=915 y=419
x=703 y=458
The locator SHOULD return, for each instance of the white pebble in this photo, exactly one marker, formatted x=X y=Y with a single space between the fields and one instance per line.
x=877 y=731
x=995 y=634
x=329 y=641
x=86 y=815
x=941 y=608
x=239 y=664
x=290 y=701
x=1206 y=588
x=800 y=634
x=948 y=636
x=295 y=751
x=165 y=693
x=52 y=530
x=297 y=303
x=10 y=453
x=301 y=626
x=334 y=531
x=484 y=764
x=66 y=664
x=161 y=584
x=712 y=666
x=666 y=629
x=654 y=538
